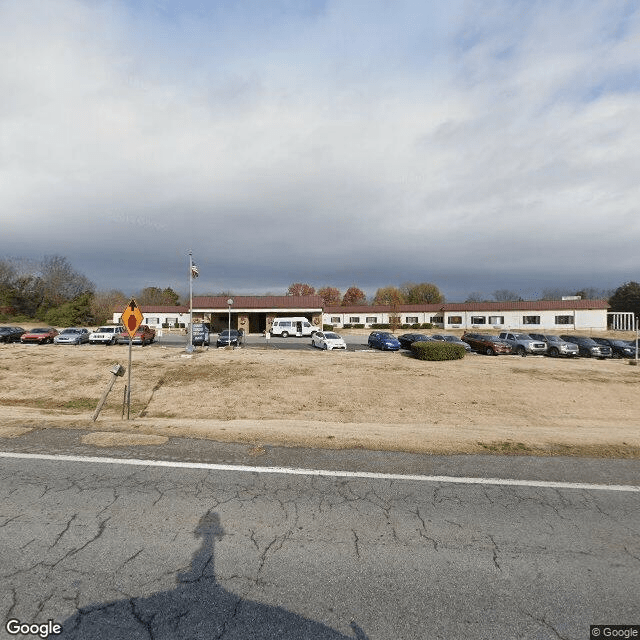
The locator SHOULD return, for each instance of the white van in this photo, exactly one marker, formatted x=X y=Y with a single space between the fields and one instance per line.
x=286 y=327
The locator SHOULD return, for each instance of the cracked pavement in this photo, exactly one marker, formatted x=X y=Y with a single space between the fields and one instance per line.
x=115 y=551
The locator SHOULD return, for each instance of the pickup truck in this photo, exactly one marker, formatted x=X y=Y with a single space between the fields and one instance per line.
x=523 y=343
x=144 y=335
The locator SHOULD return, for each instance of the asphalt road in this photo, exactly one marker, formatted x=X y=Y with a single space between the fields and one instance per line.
x=134 y=550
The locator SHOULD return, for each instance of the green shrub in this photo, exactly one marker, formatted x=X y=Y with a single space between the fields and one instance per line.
x=426 y=325
x=358 y=326
x=380 y=325
x=437 y=350
x=327 y=327
x=346 y=326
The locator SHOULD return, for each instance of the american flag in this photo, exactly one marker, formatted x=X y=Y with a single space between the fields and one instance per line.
x=194 y=271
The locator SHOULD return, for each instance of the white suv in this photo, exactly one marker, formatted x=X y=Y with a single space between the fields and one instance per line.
x=106 y=335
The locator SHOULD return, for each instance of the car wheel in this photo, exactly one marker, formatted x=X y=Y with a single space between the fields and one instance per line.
x=617 y=356
x=325 y=347
x=553 y=352
x=520 y=351
x=490 y=352
x=285 y=334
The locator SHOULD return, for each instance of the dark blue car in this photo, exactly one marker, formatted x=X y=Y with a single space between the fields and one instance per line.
x=383 y=340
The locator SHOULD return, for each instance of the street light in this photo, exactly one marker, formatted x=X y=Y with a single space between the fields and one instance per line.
x=229 y=303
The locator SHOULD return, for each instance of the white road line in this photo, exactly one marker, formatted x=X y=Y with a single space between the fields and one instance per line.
x=324 y=472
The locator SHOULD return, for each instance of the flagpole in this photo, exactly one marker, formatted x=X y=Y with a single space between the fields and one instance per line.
x=190 y=344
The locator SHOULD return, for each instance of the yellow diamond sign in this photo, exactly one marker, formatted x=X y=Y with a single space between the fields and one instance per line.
x=131 y=318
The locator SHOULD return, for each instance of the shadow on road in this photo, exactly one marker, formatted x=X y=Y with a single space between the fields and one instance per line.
x=197 y=608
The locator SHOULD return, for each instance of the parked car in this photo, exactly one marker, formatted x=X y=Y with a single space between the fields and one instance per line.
x=589 y=348
x=523 y=343
x=487 y=344
x=383 y=340
x=106 y=335
x=226 y=338
x=41 y=335
x=327 y=340
x=452 y=340
x=556 y=346
x=407 y=339
x=144 y=335
x=11 y=334
x=200 y=334
x=619 y=348
x=72 y=335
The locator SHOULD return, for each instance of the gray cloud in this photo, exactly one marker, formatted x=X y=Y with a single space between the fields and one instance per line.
x=479 y=151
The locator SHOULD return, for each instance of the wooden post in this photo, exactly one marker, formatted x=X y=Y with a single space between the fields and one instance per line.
x=104 y=396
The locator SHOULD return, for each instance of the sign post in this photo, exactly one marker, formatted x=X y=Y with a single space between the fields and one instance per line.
x=131 y=318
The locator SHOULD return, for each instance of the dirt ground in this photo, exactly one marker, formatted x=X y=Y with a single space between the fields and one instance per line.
x=372 y=400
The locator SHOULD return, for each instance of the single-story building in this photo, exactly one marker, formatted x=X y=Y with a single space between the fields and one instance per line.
x=535 y=315
x=255 y=314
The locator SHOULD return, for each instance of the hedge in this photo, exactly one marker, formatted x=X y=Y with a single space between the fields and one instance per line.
x=436 y=350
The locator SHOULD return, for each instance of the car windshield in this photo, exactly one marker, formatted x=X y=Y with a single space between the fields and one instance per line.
x=522 y=336
x=332 y=336
x=106 y=330
x=65 y=331
x=619 y=343
x=226 y=332
x=39 y=331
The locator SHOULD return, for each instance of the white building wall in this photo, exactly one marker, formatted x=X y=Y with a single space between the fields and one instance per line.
x=592 y=319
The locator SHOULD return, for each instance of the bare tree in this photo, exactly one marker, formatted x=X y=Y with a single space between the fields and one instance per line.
x=506 y=295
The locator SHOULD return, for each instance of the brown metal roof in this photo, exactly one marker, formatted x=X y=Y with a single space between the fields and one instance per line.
x=258 y=302
x=525 y=305
x=159 y=309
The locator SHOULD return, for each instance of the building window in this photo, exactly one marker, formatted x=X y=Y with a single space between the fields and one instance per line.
x=496 y=319
x=564 y=319
x=371 y=319
x=172 y=321
x=436 y=320
x=412 y=320
x=354 y=319
x=454 y=320
x=478 y=320
x=530 y=319
x=336 y=320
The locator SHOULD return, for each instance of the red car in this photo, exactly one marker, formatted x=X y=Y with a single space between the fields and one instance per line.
x=144 y=335
x=482 y=343
x=42 y=335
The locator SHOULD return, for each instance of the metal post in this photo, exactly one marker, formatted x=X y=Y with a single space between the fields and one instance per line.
x=129 y=381
x=229 y=302
x=190 y=337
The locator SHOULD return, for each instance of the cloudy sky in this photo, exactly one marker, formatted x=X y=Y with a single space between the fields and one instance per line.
x=475 y=144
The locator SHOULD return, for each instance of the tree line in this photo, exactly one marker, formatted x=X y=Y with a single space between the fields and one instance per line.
x=408 y=293
x=53 y=291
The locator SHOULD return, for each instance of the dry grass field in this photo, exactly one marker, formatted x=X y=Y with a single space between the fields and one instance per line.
x=374 y=400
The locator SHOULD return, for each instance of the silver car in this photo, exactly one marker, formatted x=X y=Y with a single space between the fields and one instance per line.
x=556 y=346
x=523 y=343
x=72 y=335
